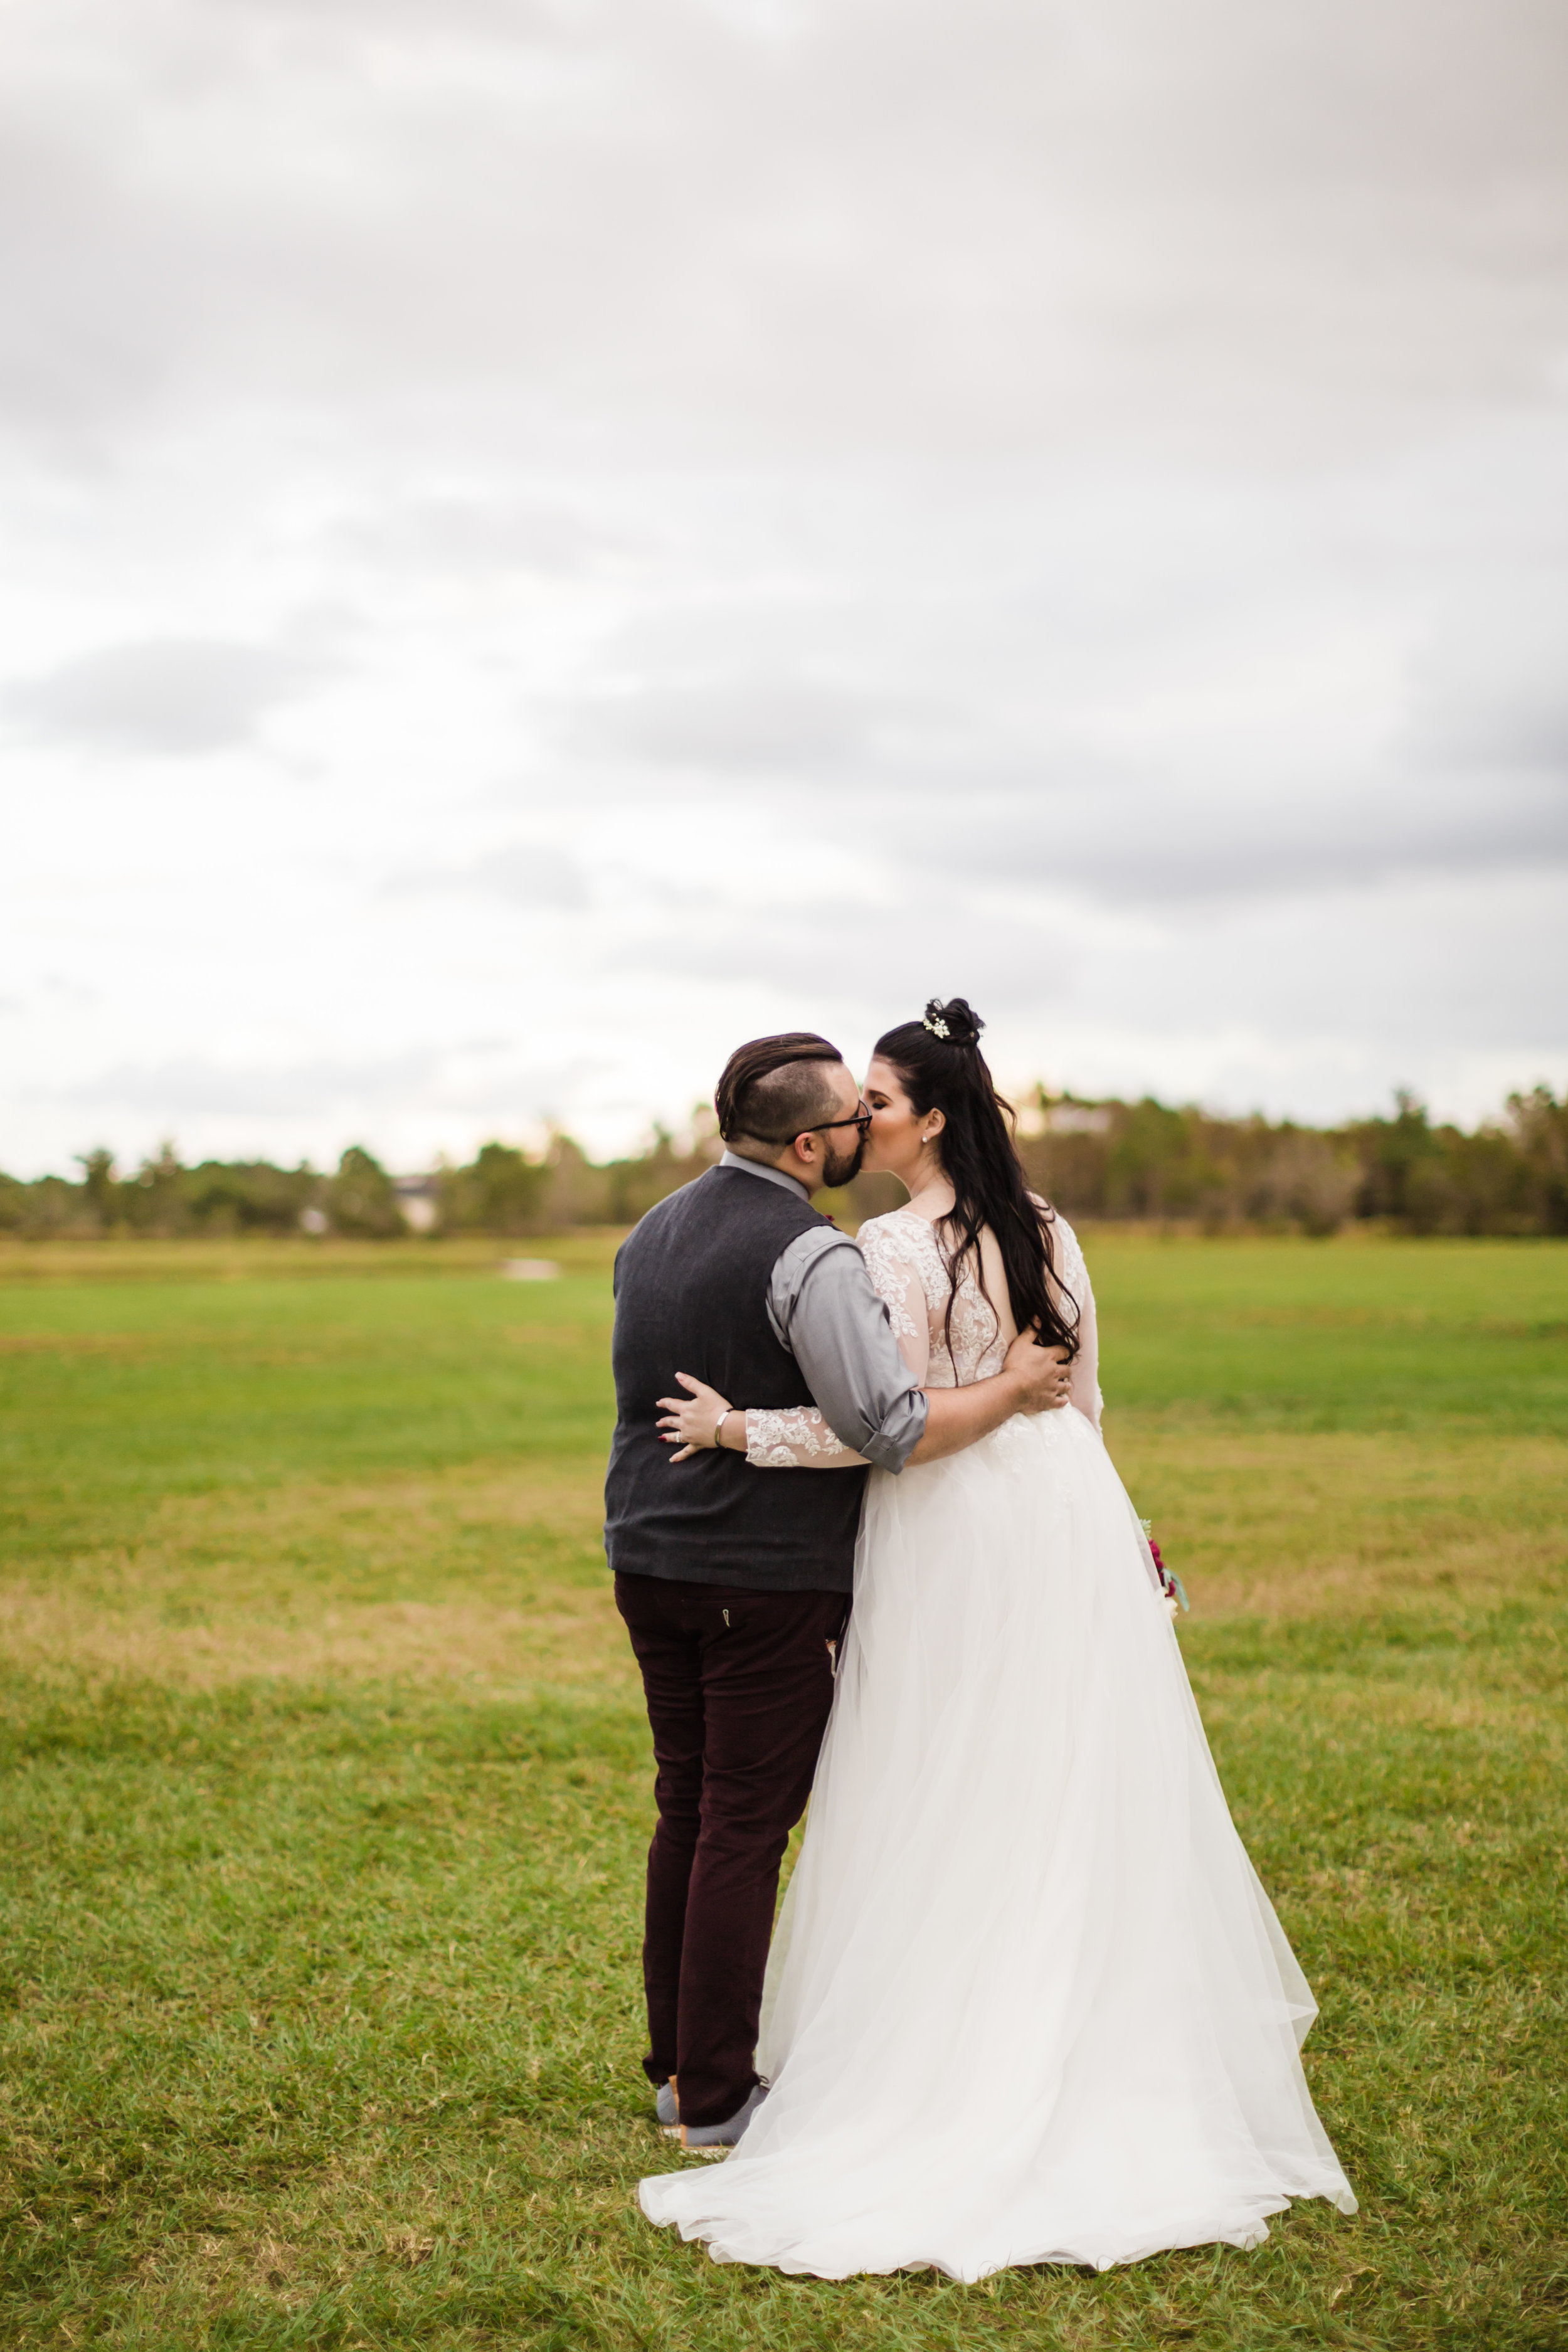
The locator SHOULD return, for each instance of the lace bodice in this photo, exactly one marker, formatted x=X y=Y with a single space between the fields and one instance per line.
x=908 y=1270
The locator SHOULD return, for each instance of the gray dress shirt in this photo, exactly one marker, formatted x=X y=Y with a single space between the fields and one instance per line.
x=823 y=1309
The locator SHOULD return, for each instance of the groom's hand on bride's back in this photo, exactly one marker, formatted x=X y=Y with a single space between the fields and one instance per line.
x=1033 y=1379
x=1045 y=1373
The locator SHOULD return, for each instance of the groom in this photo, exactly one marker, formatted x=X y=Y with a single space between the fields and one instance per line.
x=735 y=1586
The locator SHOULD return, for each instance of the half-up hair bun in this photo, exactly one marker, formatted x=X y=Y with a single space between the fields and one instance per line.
x=940 y=1066
x=954 y=1023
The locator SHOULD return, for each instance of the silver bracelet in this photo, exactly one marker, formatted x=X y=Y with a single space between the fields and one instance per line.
x=719 y=1425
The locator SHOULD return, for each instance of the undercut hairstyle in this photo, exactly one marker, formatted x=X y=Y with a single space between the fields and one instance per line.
x=775 y=1088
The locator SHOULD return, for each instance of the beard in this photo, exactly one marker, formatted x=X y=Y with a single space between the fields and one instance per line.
x=843 y=1166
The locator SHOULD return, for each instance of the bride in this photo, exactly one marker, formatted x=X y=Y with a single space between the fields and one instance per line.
x=1026 y=1999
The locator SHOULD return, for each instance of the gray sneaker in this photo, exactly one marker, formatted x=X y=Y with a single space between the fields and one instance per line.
x=718 y=2139
x=667 y=2108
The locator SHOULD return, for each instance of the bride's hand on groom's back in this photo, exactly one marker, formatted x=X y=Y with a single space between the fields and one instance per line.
x=689 y=1422
x=1045 y=1373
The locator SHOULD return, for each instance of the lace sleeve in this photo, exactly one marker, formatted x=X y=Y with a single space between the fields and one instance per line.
x=795 y=1437
x=1075 y=1280
x=896 y=1279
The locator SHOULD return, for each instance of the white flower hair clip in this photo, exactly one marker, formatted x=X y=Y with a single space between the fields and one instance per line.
x=937 y=1028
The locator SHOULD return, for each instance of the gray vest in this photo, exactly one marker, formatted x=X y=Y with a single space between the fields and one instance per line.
x=691 y=1288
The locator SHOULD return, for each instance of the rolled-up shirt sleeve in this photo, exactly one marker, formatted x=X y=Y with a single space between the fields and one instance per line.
x=823 y=1308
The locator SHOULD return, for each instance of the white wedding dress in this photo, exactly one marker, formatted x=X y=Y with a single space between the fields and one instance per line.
x=1026 y=1999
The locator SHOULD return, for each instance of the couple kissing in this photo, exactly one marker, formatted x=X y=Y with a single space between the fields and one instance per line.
x=1026 y=1999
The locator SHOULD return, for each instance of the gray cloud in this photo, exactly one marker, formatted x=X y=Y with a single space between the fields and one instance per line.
x=1025 y=789
x=760 y=723
x=180 y=696
x=1075 y=492
x=854 y=221
x=1495 y=702
x=477 y=1074
x=474 y=535
x=188 y=1084
x=521 y=874
x=1144 y=841
x=1215 y=995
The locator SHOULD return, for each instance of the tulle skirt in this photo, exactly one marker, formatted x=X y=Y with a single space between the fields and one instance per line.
x=1027 y=2001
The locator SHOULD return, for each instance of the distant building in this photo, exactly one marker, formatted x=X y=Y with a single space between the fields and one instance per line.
x=1077 y=1119
x=1064 y=1118
x=419 y=1200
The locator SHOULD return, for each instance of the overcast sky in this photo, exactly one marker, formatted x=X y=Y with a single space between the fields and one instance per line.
x=540 y=538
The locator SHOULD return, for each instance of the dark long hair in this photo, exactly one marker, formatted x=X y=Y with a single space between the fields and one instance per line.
x=942 y=1065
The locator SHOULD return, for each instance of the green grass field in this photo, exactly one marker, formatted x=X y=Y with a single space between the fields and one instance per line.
x=327 y=1787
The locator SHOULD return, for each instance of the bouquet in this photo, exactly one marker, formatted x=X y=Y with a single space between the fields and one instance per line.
x=1170 y=1585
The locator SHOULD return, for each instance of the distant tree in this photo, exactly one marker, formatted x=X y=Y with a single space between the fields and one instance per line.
x=156 y=1201
x=1538 y=1124
x=359 y=1199
x=578 y=1194
x=1069 y=1164
x=1308 y=1181
x=100 y=1187
x=1390 y=1151
x=249 y=1196
x=1093 y=1160
x=51 y=1207
x=501 y=1192
x=1472 y=1184
x=632 y=1186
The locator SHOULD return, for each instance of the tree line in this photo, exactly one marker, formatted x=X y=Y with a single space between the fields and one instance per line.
x=1104 y=1160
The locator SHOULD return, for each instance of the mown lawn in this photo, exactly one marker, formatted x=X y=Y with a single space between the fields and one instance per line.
x=326 y=1790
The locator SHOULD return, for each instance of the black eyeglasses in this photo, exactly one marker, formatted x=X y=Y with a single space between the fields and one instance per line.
x=862 y=1120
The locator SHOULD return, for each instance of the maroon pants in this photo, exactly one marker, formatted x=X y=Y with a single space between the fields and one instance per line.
x=739 y=1685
